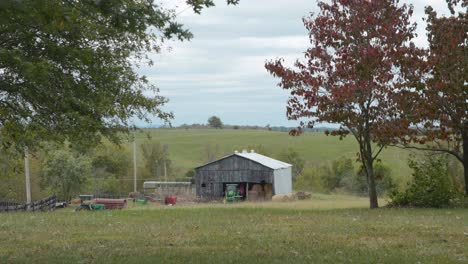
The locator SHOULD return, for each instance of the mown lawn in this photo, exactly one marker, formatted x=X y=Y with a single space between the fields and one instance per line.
x=316 y=231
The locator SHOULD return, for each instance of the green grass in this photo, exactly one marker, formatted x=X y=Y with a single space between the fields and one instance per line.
x=326 y=229
x=187 y=147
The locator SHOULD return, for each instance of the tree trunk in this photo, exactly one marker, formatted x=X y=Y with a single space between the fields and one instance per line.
x=371 y=185
x=370 y=174
x=465 y=159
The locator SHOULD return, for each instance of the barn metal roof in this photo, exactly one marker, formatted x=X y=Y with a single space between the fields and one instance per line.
x=259 y=158
x=264 y=160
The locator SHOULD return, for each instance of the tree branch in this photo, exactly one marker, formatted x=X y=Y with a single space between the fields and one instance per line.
x=378 y=152
x=457 y=155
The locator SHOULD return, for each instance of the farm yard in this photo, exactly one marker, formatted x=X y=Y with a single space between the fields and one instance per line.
x=233 y=131
x=325 y=229
x=188 y=148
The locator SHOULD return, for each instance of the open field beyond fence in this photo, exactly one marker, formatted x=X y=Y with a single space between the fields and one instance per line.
x=326 y=229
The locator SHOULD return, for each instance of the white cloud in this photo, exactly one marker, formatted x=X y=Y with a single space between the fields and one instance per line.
x=221 y=71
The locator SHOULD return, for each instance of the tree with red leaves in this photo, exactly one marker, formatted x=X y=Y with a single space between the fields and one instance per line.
x=351 y=72
x=434 y=106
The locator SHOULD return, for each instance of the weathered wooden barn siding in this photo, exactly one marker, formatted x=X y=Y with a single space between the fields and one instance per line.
x=229 y=170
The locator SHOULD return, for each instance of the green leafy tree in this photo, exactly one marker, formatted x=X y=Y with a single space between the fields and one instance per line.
x=111 y=185
x=66 y=173
x=157 y=160
x=67 y=68
x=11 y=175
x=312 y=179
x=355 y=183
x=339 y=170
x=215 y=122
x=111 y=165
x=292 y=157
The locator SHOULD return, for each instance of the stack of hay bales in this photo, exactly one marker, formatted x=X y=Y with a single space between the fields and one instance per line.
x=257 y=193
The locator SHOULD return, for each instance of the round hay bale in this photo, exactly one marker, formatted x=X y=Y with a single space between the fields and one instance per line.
x=279 y=198
x=268 y=191
x=257 y=187
x=290 y=197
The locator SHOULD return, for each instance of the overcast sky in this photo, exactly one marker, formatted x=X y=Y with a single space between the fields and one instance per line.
x=221 y=70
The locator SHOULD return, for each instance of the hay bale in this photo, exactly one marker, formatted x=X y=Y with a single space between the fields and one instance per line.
x=257 y=187
x=303 y=195
x=268 y=191
x=279 y=198
x=292 y=197
x=255 y=196
x=284 y=197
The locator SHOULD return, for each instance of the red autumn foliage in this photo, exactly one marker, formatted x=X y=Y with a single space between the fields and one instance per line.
x=434 y=106
x=350 y=72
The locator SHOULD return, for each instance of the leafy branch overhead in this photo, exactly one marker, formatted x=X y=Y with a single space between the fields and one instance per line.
x=198 y=5
x=67 y=68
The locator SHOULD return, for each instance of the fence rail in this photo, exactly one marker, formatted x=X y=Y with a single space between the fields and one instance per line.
x=46 y=204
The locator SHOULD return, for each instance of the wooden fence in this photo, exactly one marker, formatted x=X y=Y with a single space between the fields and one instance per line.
x=47 y=204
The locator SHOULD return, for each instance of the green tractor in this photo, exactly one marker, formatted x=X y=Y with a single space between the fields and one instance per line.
x=232 y=193
x=88 y=205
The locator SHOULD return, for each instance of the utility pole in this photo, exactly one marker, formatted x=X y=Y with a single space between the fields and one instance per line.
x=134 y=164
x=28 y=178
x=165 y=148
x=165 y=171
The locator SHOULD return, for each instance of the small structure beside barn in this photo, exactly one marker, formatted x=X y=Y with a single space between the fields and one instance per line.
x=256 y=175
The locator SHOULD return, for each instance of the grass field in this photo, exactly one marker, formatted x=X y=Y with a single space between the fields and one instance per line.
x=187 y=147
x=326 y=229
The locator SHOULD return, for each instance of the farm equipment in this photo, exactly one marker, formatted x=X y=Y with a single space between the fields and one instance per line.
x=170 y=200
x=87 y=203
x=232 y=193
x=111 y=203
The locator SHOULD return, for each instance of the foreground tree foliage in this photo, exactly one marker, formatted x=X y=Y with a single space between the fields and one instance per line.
x=67 y=67
x=434 y=111
x=349 y=72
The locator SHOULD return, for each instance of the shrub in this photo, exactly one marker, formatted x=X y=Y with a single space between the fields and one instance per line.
x=341 y=175
x=357 y=183
x=293 y=157
x=430 y=185
x=309 y=180
x=111 y=185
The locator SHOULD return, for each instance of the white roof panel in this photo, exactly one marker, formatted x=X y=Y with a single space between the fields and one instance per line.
x=264 y=160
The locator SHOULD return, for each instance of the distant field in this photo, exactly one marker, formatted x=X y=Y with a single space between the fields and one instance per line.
x=326 y=229
x=187 y=147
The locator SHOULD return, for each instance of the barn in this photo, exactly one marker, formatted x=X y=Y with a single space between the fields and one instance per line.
x=255 y=174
